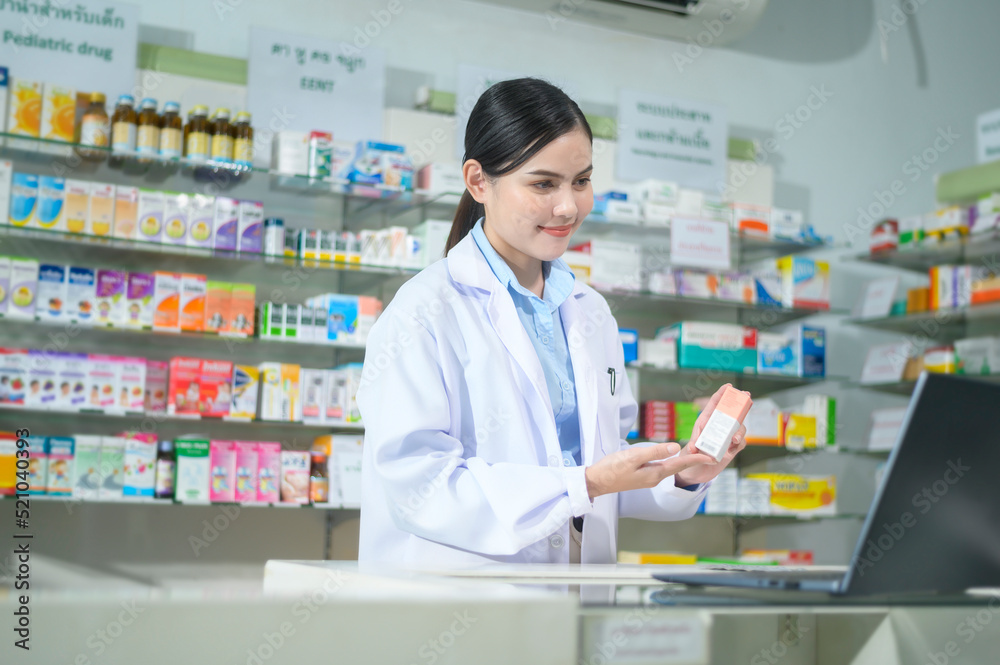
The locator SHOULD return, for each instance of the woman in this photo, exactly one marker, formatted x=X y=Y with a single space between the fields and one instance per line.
x=494 y=393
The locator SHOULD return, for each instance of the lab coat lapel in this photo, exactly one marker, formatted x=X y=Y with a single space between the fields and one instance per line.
x=467 y=265
x=584 y=348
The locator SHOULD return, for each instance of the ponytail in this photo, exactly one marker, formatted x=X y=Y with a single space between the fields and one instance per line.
x=468 y=213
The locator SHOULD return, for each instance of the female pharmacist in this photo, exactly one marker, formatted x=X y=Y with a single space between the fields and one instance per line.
x=494 y=393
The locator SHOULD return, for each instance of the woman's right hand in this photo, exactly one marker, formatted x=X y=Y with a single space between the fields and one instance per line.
x=639 y=467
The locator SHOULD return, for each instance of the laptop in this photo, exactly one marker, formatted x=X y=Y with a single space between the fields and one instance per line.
x=934 y=526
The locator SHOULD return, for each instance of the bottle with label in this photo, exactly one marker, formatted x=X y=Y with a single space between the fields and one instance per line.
x=243 y=140
x=148 y=141
x=171 y=130
x=165 y=470
x=319 y=480
x=222 y=136
x=95 y=129
x=197 y=134
x=124 y=125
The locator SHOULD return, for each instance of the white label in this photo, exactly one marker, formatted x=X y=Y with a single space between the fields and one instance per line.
x=646 y=637
x=714 y=440
x=88 y=45
x=673 y=139
x=699 y=243
x=988 y=137
x=305 y=83
x=885 y=363
x=876 y=299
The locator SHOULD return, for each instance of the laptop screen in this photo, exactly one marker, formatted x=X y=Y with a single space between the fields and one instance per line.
x=935 y=521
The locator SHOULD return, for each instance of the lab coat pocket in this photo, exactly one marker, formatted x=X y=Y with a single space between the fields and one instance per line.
x=607 y=416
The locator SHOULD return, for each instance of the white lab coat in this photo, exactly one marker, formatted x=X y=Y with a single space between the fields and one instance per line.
x=462 y=463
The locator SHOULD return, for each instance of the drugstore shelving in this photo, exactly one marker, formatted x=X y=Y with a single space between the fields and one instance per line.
x=906 y=387
x=151 y=501
x=751 y=381
x=977 y=248
x=937 y=324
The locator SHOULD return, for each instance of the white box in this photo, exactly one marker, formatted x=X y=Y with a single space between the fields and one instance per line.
x=786 y=224
x=112 y=467
x=658 y=353
x=290 y=152
x=132 y=385
x=250 y=229
x=615 y=265
x=432 y=238
x=348 y=451
x=152 y=208
x=978 y=355
x=23 y=296
x=4 y=284
x=73 y=381
x=201 y=221
x=311 y=394
x=441 y=178
x=652 y=190
x=87 y=477
x=226 y=223
x=42 y=376
x=52 y=292
x=81 y=295
x=334 y=396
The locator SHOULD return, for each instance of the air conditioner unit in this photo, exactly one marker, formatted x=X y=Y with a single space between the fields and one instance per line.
x=708 y=22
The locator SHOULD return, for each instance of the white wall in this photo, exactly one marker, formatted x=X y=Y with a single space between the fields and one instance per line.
x=857 y=142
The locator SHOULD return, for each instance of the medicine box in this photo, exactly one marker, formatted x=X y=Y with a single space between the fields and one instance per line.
x=201 y=221
x=313 y=382
x=184 y=387
x=61 y=461
x=58 y=118
x=804 y=282
x=777 y=354
x=279 y=388
x=105 y=376
x=23 y=289
x=799 y=431
x=23 y=199
x=42 y=376
x=222 y=459
x=76 y=206
x=294 y=476
x=110 y=303
x=246 y=381
x=217 y=298
x=81 y=295
x=246 y=471
x=52 y=292
x=215 y=388
x=38 y=464
x=722 y=346
x=140 y=464
x=13 y=377
x=176 y=212
x=87 y=467
x=192 y=303
x=126 y=212
x=764 y=423
x=102 y=208
x=157 y=386
x=824 y=408
x=978 y=356
x=268 y=472
x=151 y=209
x=250 y=227
x=167 y=301
x=74 y=381
x=51 y=205
x=226 y=223
x=112 y=468
x=140 y=290
x=132 y=384
x=241 y=310
x=193 y=470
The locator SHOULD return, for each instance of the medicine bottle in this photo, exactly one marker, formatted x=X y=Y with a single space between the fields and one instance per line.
x=319 y=481
x=243 y=140
x=94 y=128
x=123 y=125
x=196 y=134
x=148 y=141
x=171 y=140
x=165 y=470
x=222 y=137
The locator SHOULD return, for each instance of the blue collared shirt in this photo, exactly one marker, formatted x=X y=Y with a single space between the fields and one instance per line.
x=542 y=321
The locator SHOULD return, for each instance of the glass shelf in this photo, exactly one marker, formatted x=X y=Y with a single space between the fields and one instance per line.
x=949 y=321
x=151 y=501
x=142 y=421
x=906 y=387
x=785 y=518
x=111 y=336
x=718 y=375
x=761 y=316
x=928 y=254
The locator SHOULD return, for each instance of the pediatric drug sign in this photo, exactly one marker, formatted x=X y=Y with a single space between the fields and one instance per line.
x=671 y=139
x=84 y=44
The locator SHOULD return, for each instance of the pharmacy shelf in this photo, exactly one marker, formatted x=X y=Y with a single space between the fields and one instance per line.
x=937 y=324
x=753 y=454
x=686 y=307
x=297 y=435
x=754 y=521
x=89 y=337
x=906 y=387
x=753 y=382
x=920 y=258
x=747 y=248
x=150 y=501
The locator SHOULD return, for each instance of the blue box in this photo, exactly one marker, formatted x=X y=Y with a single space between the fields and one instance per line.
x=630 y=344
x=797 y=350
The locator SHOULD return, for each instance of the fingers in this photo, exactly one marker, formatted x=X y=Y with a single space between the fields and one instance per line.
x=659 y=451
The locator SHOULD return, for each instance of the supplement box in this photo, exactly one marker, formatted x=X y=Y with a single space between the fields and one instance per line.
x=193 y=470
x=222 y=458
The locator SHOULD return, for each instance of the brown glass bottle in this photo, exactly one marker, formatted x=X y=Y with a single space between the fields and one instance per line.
x=95 y=129
x=171 y=131
x=222 y=137
x=197 y=133
x=148 y=141
x=243 y=140
x=124 y=125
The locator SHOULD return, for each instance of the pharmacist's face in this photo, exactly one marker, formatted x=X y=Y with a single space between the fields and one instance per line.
x=535 y=210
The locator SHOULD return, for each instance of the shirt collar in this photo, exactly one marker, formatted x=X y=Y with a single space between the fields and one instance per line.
x=559 y=279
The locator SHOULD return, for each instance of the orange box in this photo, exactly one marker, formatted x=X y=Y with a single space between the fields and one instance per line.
x=724 y=422
x=192 y=302
x=167 y=301
x=58 y=114
x=184 y=386
x=218 y=296
x=241 y=309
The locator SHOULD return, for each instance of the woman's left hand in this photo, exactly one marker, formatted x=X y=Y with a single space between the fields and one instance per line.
x=703 y=473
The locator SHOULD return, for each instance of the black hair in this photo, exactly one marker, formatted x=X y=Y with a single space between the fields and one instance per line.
x=512 y=121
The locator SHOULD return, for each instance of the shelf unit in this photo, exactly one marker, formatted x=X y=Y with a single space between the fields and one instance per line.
x=323 y=203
